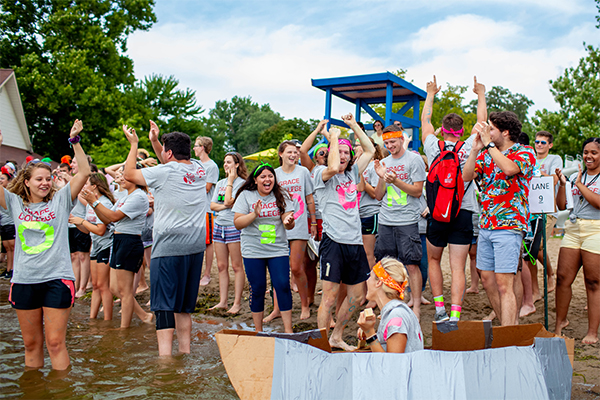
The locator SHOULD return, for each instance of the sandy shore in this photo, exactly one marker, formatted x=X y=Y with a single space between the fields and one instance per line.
x=586 y=376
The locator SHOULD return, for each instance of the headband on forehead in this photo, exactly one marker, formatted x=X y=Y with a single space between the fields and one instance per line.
x=392 y=134
x=383 y=275
x=262 y=164
x=452 y=131
x=347 y=143
x=319 y=147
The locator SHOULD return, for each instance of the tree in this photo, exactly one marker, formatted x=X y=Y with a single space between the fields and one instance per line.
x=155 y=98
x=69 y=59
x=295 y=128
x=577 y=92
x=499 y=98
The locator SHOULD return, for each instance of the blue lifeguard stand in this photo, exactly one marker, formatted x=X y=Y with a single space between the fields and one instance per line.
x=382 y=88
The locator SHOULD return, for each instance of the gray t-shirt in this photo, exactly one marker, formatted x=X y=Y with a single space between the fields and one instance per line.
x=266 y=236
x=338 y=201
x=135 y=207
x=42 y=240
x=422 y=221
x=212 y=176
x=5 y=217
x=399 y=208
x=225 y=217
x=78 y=211
x=397 y=317
x=581 y=207
x=432 y=150
x=99 y=243
x=548 y=166
x=369 y=206
x=299 y=185
x=179 y=220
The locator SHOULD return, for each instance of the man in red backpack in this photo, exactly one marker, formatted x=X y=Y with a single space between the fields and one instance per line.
x=451 y=201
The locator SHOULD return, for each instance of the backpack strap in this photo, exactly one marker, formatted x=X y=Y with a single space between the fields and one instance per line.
x=458 y=146
x=441 y=145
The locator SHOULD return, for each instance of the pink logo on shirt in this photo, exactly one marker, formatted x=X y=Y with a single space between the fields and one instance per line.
x=344 y=189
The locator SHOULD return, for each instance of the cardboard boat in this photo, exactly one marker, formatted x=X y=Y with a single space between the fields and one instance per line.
x=468 y=360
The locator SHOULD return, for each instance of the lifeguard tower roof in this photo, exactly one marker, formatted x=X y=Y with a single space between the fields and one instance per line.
x=381 y=88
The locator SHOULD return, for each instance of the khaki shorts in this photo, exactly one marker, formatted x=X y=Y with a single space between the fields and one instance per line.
x=584 y=234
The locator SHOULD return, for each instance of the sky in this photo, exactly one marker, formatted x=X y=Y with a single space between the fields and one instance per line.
x=270 y=50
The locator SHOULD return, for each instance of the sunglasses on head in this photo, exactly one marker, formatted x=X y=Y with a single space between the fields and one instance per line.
x=541 y=142
x=39 y=161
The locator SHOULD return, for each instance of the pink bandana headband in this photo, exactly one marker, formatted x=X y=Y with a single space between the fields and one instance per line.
x=457 y=133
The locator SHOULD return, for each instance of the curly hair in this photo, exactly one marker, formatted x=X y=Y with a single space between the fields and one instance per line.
x=281 y=195
x=18 y=186
x=507 y=121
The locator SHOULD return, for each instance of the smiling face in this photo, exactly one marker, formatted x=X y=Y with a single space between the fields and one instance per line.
x=289 y=155
x=345 y=156
x=74 y=167
x=4 y=180
x=264 y=182
x=378 y=126
x=229 y=163
x=542 y=145
x=39 y=184
x=394 y=145
x=591 y=157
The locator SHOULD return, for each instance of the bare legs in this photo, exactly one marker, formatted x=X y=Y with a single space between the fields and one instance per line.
x=458 y=257
x=223 y=252
x=81 y=267
x=32 y=324
x=355 y=295
x=474 y=271
x=121 y=285
x=101 y=290
x=183 y=325
x=9 y=246
x=569 y=262
x=208 y=260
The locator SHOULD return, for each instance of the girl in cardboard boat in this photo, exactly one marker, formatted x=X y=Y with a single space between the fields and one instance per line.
x=399 y=330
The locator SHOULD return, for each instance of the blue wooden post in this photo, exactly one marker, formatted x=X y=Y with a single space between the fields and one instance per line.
x=357 y=110
x=416 y=140
x=328 y=107
x=389 y=101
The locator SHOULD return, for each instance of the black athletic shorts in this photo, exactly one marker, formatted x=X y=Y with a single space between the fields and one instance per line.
x=127 y=252
x=7 y=232
x=533 y=240
x=103 y=256
x=79 y=241
x=58 y=293
x=459 y=231
x=343 y=263
x=400 y=242
x=369 y=225
x=175 y=282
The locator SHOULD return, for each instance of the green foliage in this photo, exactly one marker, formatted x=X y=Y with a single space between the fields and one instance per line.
x=69 y=62
x=577 y=92
x=295 y=128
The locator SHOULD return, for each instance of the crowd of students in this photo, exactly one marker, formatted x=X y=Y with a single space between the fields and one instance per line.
x=374 y=215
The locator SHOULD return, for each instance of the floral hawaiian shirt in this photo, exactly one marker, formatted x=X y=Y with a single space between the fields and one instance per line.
x=504 y=199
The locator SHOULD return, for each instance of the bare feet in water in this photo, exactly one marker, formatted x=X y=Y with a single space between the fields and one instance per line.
x=526 y=310
x=272 y=316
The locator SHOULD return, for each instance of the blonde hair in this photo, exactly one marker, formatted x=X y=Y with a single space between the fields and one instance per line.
x=206 y=142
x=18 y=187
x=398 y=273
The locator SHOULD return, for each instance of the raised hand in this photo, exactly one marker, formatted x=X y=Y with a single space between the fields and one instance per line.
x=289 y=221
x=88 y=196
x=322 y=125
x=334 y=134
x=432 y=87
x=561 y=177
x=348 y=119
x=154 y=131
x=130 y=134
x=478 y=88
x=258 y=208
x=379 y=168
x=579 y=175
x=150 y=162
x=76 y=128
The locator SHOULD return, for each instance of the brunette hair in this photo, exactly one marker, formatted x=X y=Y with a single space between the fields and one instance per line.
x=242 y=170
x=545 y=134
x=281 y=195
x=452 y=122
x=507 y=121
x=101 y=184
x=18 y=186
x=282 y=147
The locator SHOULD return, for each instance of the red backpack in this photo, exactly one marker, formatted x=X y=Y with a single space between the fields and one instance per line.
x=445 y=185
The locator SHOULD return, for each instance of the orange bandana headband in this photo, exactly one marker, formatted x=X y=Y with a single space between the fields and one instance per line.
x=382 y=274
x=392 y=134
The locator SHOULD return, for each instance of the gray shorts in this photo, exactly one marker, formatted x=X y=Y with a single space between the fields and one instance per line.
x=499 y=250
x=400 y=242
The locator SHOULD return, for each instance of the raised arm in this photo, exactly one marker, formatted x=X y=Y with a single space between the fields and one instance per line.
x=112 y=170
x=333 y=159
x=479 y=90
x=308 y=143
x=426 y=126
x=368 y=148
x=153 y=136
x=84 y=172
x=468 y=172
x=130 y=172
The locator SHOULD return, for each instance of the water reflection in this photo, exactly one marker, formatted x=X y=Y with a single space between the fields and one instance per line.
x=110 y=363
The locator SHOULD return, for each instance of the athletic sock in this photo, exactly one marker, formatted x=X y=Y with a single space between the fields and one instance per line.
x=439 y=303
x=455 y=312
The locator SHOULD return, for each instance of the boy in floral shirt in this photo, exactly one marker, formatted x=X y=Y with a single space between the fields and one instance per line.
x=505 y=169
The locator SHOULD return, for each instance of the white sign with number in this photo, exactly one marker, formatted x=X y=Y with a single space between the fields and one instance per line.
x=541 y=195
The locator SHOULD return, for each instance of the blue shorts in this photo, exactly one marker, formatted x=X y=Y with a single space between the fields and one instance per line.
x=499 y=250
x=225 y=234
x=369 y=225
x=175 y=281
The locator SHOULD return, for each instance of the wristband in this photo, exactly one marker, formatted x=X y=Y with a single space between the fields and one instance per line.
x=314 y=223
x=94 y=204
x=371 y=339
x=229 y=186
x=74 y=140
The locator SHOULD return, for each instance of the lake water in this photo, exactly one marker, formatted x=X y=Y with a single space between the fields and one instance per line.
x=111 y=363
